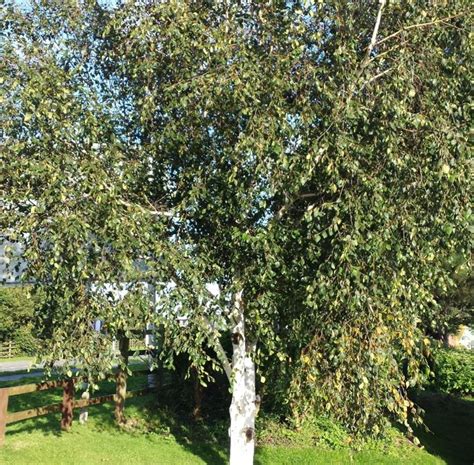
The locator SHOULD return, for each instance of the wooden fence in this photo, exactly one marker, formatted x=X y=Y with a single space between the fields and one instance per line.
x=9 y=349
x=68 y=403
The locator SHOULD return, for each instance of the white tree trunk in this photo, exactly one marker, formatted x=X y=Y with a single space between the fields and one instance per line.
x=243 y=408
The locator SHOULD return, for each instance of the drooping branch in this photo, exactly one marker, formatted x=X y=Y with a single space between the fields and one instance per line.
x=213 y=336
x=211 y=332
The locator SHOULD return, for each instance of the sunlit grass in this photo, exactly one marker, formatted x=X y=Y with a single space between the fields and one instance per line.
x=160 y=435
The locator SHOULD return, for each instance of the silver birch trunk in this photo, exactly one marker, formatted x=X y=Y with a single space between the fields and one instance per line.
x=243 y=408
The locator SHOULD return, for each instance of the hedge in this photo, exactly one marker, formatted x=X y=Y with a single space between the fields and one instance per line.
x=453 y=371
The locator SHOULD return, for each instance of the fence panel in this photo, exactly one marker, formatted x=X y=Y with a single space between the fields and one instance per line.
x=9 y=349
x=68 y=404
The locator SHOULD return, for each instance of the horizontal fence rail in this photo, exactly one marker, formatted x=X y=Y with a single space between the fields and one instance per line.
x=9 y=349
x=68 y=403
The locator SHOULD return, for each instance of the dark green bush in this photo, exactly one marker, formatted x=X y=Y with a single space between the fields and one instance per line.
x=453 y=371
x=315 y=430
x=17 y=317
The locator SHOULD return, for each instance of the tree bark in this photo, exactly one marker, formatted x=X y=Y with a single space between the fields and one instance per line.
x=243 y=408
x=121 y=381
x=198 y=394
x=67 y=405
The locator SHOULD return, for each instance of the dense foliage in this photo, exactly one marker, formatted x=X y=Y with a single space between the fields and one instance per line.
x=457 y=303
x=307 y=158
x=453 y=371
x=17 y=318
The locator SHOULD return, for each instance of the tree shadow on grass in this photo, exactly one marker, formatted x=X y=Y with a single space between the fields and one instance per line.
x=145 y=418
x=451 y=424
x=47 y=424
x=50 y=424
x=206 y=440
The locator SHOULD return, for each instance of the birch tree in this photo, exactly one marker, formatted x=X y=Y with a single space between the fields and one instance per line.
x=276 y=168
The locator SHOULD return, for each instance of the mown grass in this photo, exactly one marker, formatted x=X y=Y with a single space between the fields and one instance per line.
x=156 y=433
x=162 y=441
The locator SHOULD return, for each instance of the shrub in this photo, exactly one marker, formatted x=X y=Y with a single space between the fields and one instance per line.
x=453 y=371
x=17 y=308
x=315 y=430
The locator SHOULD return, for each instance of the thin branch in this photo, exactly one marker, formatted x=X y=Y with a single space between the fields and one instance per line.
x=221 y=354
x=381 y=55
x=212 y=334
x=413 y=26
x=374 y=78
x=365 y=62
x=284 y=209
x=153 y=210
x=281 y=212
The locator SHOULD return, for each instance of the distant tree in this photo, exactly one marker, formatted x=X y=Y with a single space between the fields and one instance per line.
x=17 y=317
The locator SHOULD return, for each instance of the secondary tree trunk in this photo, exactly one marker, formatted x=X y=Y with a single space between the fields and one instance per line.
x=198 y=394
x=243 y=408
x=121 y=381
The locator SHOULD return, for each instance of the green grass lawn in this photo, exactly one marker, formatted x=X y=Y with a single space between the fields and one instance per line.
x=158 y=435
x=39 y=441
x=86 y=446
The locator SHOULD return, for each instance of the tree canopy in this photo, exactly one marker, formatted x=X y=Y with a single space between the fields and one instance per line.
x=310 y=159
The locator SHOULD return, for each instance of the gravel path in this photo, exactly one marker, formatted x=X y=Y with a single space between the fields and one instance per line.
x=18 y=365
x=15 y=365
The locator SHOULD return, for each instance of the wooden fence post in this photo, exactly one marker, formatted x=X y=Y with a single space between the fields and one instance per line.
x=67 y=405
x=3 y=413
